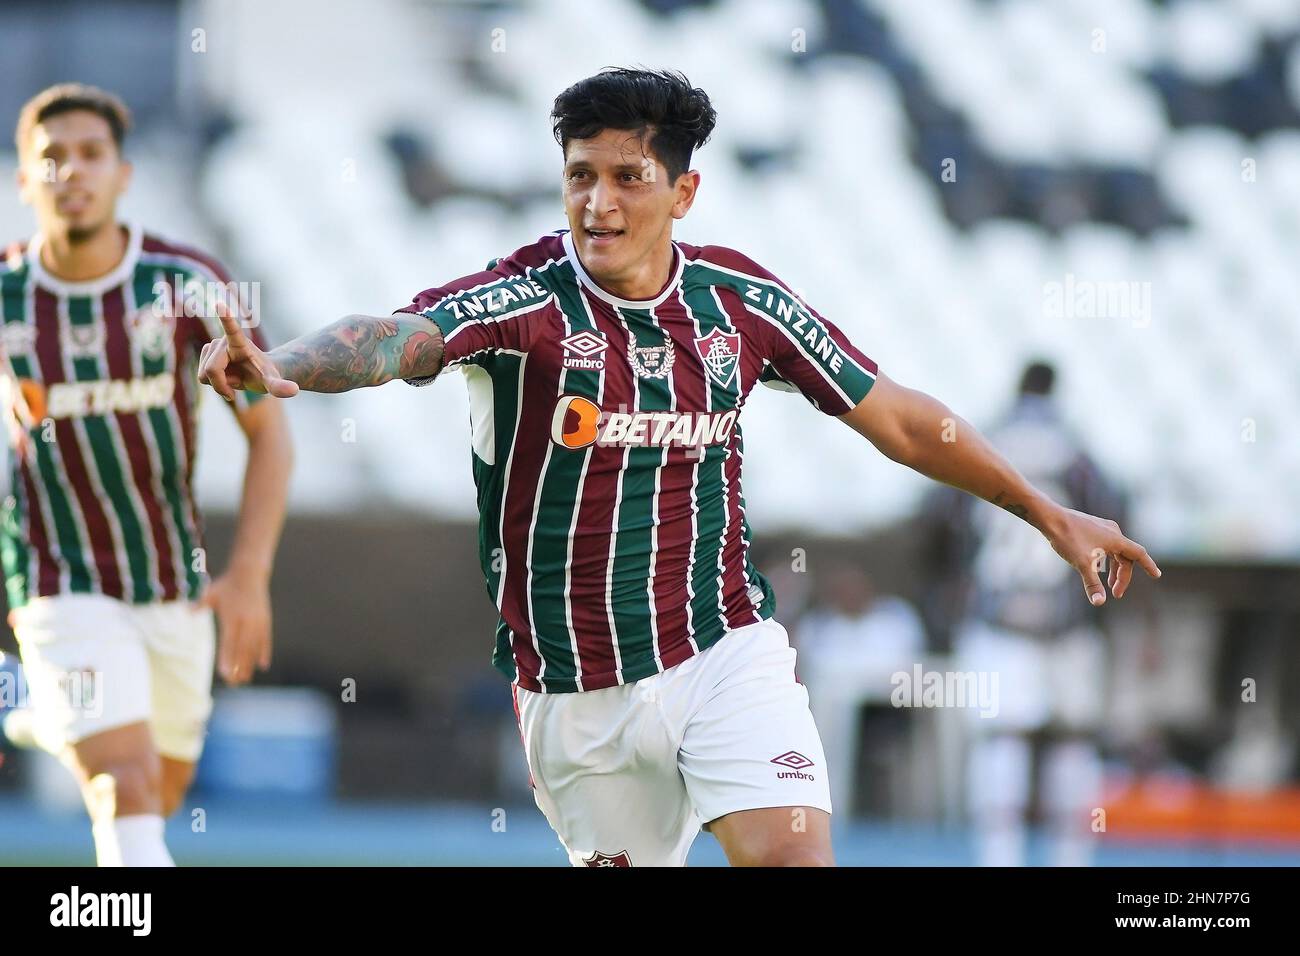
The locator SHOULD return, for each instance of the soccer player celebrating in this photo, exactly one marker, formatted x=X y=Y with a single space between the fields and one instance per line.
x=102 y=547
x=607 y=367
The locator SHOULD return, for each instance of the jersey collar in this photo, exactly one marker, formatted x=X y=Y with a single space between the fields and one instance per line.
x=679 y=263
x=94 y=287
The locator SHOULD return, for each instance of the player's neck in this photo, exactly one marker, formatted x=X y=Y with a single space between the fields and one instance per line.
x=649 y=278
x=87 y=258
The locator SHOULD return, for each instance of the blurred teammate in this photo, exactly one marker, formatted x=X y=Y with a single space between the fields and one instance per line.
x=1024 y=623
x=102 y=541
x=607 y=366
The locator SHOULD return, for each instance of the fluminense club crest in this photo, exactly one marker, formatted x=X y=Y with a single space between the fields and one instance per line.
x=656 y=361
x=151 y=330
x=720 y=353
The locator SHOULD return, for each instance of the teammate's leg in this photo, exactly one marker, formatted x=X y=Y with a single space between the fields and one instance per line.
x=90 y=685
x=121 y=782
x=177 y=775
x=181 y=641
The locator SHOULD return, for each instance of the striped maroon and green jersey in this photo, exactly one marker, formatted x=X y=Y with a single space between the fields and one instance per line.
x=607 y=450
x=101 y=405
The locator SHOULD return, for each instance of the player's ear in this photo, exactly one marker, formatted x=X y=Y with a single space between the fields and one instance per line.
x=124 y=173
x=688 y=183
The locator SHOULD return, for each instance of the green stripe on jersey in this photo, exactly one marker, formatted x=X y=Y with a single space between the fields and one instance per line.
x=559 y=497
x=711 y=520
x=111 y=464
x=629 y=595
x=67 y=544
x=162 y=421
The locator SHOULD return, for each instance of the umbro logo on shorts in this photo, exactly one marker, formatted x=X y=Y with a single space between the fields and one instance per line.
x=797 y=763
x=600 y=859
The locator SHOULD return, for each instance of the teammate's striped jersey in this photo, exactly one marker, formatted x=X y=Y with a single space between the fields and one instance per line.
x=607 y=451
x=101 y=400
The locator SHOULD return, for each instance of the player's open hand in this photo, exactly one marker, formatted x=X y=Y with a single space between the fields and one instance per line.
x=1089 y=543
x=234 y=362
x=242 y=602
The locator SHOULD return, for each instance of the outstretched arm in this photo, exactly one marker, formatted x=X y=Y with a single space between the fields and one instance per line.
x=355 y=352
x=919 y=431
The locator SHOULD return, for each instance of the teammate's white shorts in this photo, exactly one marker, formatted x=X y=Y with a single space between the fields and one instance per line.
x=93 y=663
x=627 y=775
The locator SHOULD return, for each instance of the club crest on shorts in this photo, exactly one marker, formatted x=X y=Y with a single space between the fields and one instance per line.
x=654 y=361
x=600 y=859
x=720 y=353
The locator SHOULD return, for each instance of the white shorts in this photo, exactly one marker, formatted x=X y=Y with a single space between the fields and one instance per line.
x=627 y=775
x=93 y=663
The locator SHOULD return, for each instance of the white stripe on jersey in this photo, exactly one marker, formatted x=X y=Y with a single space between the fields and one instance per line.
x=124 y=462
x=726 y=484
x=179 y=558
x=78 y=426
x=695 y=484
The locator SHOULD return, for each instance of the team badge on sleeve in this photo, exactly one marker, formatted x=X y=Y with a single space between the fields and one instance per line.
x=720 y=353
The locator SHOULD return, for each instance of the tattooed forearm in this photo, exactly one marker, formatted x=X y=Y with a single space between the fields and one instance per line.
x=1020 y=511
x=359 y=351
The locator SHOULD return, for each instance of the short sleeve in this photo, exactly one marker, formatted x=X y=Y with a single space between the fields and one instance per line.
x=803 y=351
x=497 y=311
x=811 y=355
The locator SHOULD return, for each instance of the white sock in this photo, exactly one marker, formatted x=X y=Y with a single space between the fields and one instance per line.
x=107 y=852
x=998 y=780
x=140 y=839
x=1072 y=775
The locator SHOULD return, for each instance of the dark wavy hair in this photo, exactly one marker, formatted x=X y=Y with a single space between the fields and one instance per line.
x=67 y=97
x=679 y=116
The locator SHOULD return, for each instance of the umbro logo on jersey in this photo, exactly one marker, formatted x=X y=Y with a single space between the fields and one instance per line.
x=720 y=353
x=797 y=763
x=586 y=347
x=579 y=422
